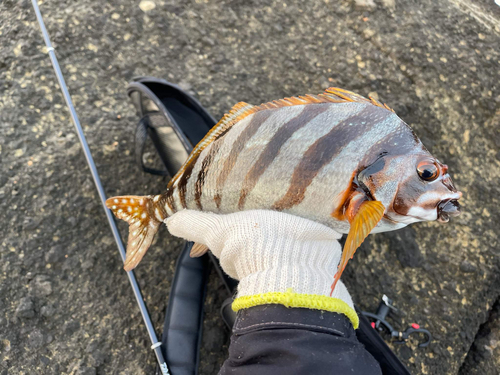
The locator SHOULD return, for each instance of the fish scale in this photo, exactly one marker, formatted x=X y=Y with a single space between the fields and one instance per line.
x=336 y=158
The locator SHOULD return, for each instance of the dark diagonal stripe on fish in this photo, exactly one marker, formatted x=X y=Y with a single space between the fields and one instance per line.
x=182 y=184
x=324 y=150
x=257 y=120
x=183 y=181
x=205 y=166
x=274 y=146
x=169 y=198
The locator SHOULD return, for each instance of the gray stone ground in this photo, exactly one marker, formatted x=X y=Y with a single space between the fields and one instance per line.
x=65 y=304
x=484 y=355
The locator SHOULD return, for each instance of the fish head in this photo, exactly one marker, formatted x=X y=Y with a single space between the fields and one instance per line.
x=414 y=187
x=428 y=192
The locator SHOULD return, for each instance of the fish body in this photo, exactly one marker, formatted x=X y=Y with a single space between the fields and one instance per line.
x=334 y=158
x=297 y=159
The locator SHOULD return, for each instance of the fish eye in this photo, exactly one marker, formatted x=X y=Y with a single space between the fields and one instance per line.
x=427 y=170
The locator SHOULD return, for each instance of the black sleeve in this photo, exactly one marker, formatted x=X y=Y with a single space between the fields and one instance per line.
x=274 y=340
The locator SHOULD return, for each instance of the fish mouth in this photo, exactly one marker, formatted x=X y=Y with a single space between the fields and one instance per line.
x=447 y=208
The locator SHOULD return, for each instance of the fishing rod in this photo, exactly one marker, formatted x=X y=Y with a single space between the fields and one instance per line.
x=97 y=181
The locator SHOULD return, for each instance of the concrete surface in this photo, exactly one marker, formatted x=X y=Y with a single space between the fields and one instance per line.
x=65 y=303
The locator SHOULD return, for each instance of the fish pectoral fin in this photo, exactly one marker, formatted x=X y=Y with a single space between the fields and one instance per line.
x=366 y=218
x=143 y=225
x=198 y=250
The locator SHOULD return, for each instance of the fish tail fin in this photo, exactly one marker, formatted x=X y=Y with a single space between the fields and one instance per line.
x=144 y=218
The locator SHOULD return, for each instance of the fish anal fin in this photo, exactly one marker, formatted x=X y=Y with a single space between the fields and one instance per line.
x=144 y=221
x=366 y=217
x=349 y=96
x=198 y=250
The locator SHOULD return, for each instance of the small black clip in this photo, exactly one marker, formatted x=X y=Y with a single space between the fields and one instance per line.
x=415 y=328
x=379 y=323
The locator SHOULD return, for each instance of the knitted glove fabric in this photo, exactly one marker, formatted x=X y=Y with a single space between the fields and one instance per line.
x=277 y=257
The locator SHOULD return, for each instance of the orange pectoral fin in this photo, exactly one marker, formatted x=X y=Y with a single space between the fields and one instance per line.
x=363 y=222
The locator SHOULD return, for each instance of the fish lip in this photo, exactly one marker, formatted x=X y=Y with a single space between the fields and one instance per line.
x=447 y=208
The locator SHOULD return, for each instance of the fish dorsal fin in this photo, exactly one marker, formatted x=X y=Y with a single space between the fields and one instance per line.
x=342 y=95
x=331 y=95
x=237 y=113
x=295 y=100
x=242 y=110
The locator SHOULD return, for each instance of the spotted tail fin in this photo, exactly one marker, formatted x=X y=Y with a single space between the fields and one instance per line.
x=144 y=219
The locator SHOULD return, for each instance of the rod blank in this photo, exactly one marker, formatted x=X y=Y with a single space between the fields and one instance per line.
x=97 y=181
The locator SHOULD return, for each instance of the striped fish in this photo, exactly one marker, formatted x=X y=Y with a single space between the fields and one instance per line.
x=336 y=158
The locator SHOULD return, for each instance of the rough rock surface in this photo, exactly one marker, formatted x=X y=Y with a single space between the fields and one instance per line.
x=65 y=303
x=484 y=356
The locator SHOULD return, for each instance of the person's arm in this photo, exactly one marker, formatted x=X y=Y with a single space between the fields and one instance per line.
x=287 y=322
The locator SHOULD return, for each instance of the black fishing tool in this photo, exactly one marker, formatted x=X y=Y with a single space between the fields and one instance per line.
x=173 y=120
x=379 y=323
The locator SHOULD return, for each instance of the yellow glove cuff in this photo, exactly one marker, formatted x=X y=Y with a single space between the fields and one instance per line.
x=292 y=299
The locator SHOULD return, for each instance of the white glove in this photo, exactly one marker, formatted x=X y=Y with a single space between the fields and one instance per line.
x=278 y=258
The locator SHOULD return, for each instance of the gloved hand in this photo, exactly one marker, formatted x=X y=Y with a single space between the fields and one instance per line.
x=278 y=258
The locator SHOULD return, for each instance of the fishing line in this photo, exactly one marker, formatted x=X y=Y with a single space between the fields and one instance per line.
x=156 y=345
